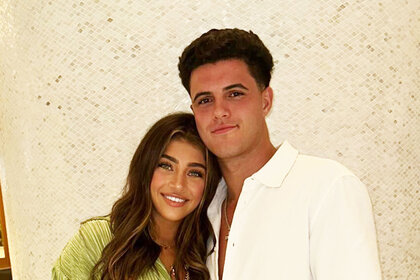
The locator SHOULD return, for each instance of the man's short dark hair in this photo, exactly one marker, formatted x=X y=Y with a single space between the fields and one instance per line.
x=223 y=44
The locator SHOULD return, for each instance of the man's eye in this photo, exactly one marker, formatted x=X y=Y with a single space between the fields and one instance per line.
x=196 y=173
x=203 y=101
x=165 y=165
x=235 y=93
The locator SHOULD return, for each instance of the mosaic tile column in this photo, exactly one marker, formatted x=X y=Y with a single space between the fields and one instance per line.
x=81 y=81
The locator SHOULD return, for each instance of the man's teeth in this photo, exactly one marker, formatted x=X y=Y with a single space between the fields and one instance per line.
x=175 y=199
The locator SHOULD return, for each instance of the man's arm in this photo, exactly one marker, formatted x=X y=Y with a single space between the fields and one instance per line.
x=342 y=234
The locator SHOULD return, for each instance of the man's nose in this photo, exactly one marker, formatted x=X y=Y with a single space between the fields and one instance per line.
x=221 y=109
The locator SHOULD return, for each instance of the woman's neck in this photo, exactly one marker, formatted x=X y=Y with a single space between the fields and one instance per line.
x=164 y=232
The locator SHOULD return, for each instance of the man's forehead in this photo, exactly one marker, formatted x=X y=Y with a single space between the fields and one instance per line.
x=233 y=63
x=219 y=75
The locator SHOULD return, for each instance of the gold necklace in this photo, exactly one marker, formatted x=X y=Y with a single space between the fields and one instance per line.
x=163 y=246
x=172 y=268
x=226 y=219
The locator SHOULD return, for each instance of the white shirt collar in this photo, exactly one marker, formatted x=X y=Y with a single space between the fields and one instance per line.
x=271 y=174
x=275 y=170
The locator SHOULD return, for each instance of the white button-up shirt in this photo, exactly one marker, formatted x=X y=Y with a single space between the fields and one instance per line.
x=298 y=218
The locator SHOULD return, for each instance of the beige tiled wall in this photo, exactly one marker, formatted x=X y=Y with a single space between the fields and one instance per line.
x=80 y=82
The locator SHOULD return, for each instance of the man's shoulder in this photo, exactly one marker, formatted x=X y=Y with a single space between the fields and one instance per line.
x=317 y=175
x=304 y=164
x=321 y=166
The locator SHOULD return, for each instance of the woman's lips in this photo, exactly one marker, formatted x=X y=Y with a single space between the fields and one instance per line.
x=223 y=129
x=174 y=201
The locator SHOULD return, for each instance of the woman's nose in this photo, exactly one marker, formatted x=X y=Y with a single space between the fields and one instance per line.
x=178 y=180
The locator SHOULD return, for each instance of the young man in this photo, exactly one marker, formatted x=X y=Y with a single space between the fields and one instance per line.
x=277 y=214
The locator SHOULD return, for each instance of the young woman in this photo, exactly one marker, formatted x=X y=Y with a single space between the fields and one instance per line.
x=159 y=228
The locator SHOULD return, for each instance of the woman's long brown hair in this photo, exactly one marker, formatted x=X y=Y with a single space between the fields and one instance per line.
x=132 y=251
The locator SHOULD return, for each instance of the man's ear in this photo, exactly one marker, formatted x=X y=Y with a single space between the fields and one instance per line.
x=192 y=109
x=267 y=100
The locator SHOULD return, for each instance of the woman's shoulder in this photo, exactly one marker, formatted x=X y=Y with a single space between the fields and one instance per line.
x=96 y=232
x=100 y=225
x=84 y=249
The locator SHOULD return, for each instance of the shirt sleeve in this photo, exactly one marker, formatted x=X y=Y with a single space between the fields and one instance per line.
x=83 y=251
x=342 y=234
x=57 y=274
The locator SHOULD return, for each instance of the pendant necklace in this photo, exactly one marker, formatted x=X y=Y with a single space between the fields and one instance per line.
x=226 y=219
x=163 y=246
x=173 y=273
x=172 y=269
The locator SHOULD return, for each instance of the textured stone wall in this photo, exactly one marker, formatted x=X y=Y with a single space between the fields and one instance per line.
x=81 y=81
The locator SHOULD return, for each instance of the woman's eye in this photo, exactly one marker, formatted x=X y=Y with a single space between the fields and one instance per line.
x=165 y=165
x=196 y=173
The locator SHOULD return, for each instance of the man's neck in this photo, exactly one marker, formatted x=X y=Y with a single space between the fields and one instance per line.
x=236 y=170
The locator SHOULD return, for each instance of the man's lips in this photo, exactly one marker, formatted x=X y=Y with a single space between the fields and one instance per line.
x=223 y=129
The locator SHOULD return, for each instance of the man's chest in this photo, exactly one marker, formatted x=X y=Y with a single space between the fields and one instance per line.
x=266 y=233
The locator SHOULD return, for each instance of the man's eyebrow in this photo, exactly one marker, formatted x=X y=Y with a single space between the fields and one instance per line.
x=235 y=86
x=224 y=89
x=201 y=94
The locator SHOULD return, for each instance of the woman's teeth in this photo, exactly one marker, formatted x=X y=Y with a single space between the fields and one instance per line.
x=174 y=199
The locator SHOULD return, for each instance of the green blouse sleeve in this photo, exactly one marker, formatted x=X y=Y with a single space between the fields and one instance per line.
x=83 y=251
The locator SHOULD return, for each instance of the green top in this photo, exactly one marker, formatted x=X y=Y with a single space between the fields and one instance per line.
x=84 y=250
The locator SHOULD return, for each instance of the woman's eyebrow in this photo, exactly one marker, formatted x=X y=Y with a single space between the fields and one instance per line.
x=193 y=164
x=196 y=164
x=170 y=158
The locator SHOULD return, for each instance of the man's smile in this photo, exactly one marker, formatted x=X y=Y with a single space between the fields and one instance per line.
x=222 y=129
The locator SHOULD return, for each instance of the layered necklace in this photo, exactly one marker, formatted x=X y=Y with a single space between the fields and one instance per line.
x=226 y=219
x=172 y=271
x=163 y=246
